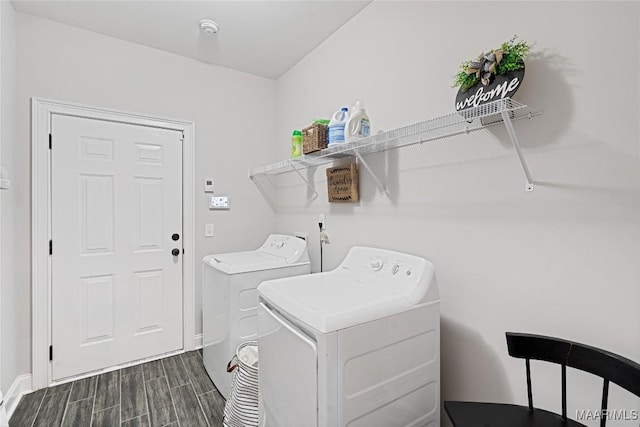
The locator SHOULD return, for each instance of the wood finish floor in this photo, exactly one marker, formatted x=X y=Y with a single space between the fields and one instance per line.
x=174 y=391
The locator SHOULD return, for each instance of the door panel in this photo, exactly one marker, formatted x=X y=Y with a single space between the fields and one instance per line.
x=96 y=302
x=96 y=214
x=149 y=292
x=116 y=200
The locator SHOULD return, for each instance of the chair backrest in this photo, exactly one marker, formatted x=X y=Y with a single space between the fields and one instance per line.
x=609 y=366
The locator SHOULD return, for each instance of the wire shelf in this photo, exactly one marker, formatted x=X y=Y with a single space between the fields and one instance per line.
x=462 y=122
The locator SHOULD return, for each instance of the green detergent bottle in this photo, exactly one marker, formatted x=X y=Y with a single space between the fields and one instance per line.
x=296 y=144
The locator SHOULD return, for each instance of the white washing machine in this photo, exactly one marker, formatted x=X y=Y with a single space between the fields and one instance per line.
x=229 y=297
x=356 y=346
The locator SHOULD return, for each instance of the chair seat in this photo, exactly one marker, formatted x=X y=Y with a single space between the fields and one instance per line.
x=477 y=414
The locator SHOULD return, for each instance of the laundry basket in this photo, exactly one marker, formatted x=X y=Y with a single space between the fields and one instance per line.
x=241 y=409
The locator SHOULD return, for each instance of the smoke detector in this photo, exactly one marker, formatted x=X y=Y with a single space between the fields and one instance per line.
x=209 y=27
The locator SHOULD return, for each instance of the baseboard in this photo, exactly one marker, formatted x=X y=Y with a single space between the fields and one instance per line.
x=197 y=341
x=21 y=386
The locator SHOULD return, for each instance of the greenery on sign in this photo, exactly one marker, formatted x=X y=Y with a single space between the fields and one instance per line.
x=510 y=57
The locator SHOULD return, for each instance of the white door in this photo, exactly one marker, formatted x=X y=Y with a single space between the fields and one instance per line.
x=116 y=208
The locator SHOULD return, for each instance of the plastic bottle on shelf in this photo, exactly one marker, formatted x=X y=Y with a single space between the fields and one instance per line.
x=296 y=144
x=358 y=125
x=336 y=127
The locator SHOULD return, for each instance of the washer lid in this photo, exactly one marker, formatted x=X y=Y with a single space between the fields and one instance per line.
x=244 y=262
x=369 y=284
x=276 y=252
x=331 y=301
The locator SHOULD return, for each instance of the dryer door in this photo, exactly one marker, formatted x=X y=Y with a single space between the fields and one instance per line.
x=288 y=372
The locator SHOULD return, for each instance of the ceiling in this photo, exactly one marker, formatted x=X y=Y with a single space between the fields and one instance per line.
x=265 y=38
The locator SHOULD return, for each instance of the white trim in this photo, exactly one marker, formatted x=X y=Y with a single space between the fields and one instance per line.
x=197 y=341
x=21 y=386
x=41 y=111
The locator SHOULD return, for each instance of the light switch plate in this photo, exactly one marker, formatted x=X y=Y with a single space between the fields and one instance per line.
x=208 y=230
x=219 y=202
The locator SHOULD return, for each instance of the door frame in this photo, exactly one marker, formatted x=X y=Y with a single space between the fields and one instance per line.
x=41 y=114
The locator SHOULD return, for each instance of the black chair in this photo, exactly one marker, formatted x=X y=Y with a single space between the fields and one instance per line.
x=609 y=366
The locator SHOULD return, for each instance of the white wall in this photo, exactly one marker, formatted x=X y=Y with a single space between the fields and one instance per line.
x=14 y=332
x=562 y=260
x=233 y=112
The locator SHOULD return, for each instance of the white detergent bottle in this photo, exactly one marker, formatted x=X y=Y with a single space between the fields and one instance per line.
x=358 y=125
x=337 y=127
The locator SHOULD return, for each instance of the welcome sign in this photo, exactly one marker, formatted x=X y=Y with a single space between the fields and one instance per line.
x=502 y=85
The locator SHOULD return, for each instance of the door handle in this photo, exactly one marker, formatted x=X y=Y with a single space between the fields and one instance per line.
x=175 y=252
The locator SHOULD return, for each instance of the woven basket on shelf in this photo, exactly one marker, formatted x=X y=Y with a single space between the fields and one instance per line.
x=314 y=138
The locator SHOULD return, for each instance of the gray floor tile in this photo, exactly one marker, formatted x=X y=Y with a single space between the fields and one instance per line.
x=107 y=391
x=134 y=402
x=52 y=410
x=161 y=410
x=131 y=370
x=134 y=396
x=78 y=413
x=109 y=417
x=83 y=389
x=189 y=354
x=58 y=389
x=213 y=406
x=199 y=377
x=142 y=421
x=153 y=370
x=187 y=407
x=27 y=409
x=176 y=372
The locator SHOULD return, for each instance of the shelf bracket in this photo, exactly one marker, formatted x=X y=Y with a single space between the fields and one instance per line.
x=381 y=187
x=271 y=199
x=514 y=139
x=306 y=181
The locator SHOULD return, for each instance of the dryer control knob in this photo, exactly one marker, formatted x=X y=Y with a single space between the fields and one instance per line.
x=376 y=265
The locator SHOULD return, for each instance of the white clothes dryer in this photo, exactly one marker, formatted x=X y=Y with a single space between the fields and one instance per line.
x=356 y=346
x=229 y=297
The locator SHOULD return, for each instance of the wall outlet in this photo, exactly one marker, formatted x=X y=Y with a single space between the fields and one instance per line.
x=301 y=235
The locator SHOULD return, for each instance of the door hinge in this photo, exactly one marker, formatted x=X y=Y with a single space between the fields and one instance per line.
x=50 y=141
x=50 y=352
x=182 y=136
x=50 y=247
